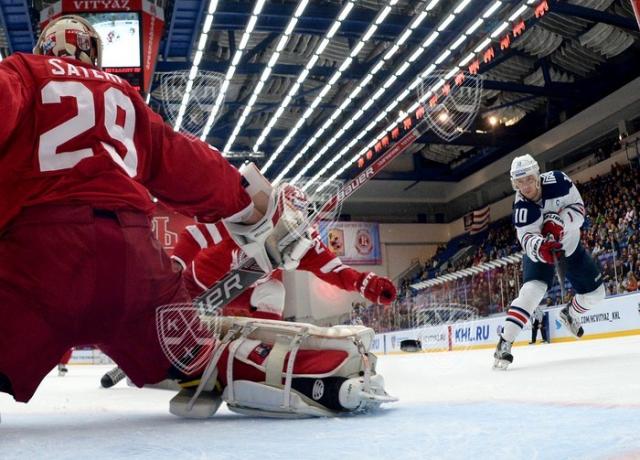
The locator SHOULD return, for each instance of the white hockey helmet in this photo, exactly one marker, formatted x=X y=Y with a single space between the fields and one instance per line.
x=72 y=36
x=523 y=166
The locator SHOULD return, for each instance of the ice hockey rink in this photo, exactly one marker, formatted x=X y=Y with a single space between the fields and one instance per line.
x=576 y=400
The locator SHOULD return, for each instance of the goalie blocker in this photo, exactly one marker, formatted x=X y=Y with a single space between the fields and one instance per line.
x=282 y=369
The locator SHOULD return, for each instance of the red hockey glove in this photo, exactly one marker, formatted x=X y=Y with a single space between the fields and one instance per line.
x=377 y=289
x=552 y=224
x=547 y=250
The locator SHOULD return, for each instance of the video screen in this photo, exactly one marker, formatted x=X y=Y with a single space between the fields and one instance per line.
x=120 y=34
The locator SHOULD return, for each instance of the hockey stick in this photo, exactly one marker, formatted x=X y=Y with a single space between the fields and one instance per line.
x=559 y=264
x=239 y=279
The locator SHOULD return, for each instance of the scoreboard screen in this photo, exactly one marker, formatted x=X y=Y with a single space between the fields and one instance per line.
x=120 y=34
x=121 y=44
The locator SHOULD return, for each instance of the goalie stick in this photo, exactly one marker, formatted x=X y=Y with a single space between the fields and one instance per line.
x=239 y=279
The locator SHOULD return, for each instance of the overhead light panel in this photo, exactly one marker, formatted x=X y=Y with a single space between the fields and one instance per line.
x=461 y=39
x=492 y=9
x=518 y=12
x=446 y=22
x=382 y=16
x=266 y=73
x=461 y=6
x=430 y=39
x=499 y=29
x=345 y=11
x=443 y=56
x=474 y=26
x=370 y=31
x=482 y=45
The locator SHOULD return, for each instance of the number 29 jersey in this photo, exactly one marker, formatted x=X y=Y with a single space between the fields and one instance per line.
x=560 y=196
x=71 y=133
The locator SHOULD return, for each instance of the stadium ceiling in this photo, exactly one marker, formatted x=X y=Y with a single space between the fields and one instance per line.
x=310 y=80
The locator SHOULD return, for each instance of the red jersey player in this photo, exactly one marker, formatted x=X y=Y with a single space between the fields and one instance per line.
x=81 y=153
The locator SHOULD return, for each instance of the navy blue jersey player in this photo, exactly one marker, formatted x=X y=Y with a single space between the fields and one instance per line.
x=547 y=213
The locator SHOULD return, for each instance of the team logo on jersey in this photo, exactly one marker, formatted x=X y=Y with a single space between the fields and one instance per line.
x=185 y=340
x=548 y=178
x=237 y=259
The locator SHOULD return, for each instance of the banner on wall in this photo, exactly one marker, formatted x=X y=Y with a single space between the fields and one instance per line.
x=356 y=243
x=477 y=221
x=614 y=317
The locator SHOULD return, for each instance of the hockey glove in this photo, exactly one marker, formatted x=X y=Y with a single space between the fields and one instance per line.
x=292 y=254
x=283 y=221
x=548 y=249
x=552 y=224
x=377 y=289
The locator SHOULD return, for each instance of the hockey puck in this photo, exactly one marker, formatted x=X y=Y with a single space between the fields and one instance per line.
x=410 y=345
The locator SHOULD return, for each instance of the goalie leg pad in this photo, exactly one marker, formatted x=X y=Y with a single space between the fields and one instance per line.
x=301 y=370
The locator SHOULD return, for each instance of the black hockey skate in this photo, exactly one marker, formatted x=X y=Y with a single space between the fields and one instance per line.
x=570 y=321
x=502 y=355
x=112 y=377
x=62 y=370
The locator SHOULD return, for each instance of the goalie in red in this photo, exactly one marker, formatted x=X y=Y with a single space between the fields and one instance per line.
x=81 y=152
x=206 y=252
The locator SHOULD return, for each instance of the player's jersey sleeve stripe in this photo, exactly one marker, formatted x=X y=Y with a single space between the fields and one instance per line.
x=214 y=233
x=197 y=235
x=331 y=266
x=577 y=208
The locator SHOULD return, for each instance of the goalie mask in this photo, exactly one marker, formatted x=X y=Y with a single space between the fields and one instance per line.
x=296 y=199
x=71 y=36
x=270 y=199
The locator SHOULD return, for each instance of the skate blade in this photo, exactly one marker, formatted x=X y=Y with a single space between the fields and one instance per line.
x=501 y=365
x=577 y=334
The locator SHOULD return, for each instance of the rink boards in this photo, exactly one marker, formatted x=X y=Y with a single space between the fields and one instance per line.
x=615 y=317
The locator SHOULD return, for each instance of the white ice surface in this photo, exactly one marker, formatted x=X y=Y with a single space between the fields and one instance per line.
x=569 y=400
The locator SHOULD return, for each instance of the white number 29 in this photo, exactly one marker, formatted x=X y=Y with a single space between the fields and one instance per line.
x=53 y=92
